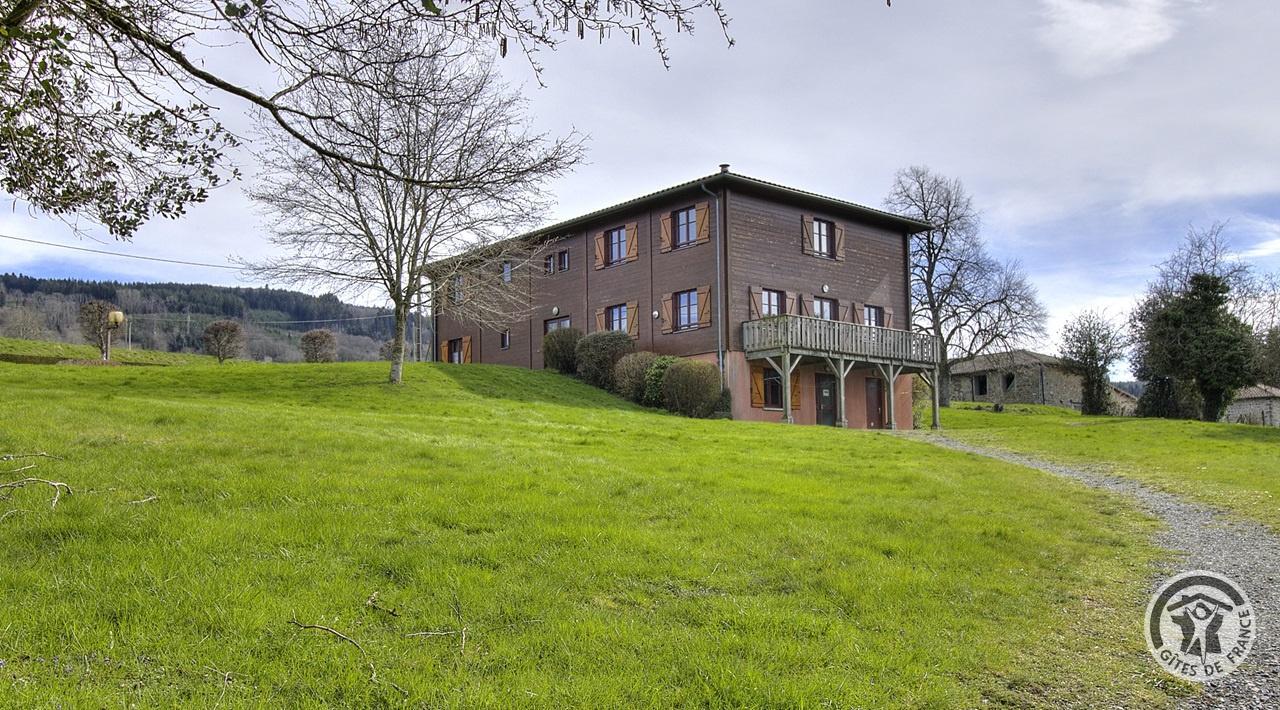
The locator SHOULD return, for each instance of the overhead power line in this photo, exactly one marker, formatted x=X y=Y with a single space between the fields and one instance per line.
x=119 y=254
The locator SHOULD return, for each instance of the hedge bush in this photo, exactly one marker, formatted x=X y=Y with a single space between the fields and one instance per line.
x=319 y=345
x=691 y=388
x=598 y=352
x=653 y=380
x=629 y=374
x=559 y=350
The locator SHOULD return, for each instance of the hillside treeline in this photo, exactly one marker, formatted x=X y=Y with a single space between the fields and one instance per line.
x=172 y=316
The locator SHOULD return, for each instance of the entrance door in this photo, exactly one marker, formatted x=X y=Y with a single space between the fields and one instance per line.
x=825 y=387
x=875 y=403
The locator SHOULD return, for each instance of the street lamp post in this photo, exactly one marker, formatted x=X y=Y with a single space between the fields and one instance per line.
x=114 y=319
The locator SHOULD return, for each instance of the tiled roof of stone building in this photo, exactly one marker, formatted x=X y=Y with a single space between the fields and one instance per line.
x=1259 y=392
x=1003 y=361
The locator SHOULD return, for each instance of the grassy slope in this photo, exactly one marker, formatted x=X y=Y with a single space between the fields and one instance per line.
x=1232 y=466
x=597 y=554
x=45 y=352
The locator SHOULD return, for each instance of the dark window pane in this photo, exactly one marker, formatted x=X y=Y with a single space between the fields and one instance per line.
x=824 y=308
x=773 y=303
x=772 y=389
x=564 y=260
x=686 y=223
x=615 y=317
x=686 y=309
x=617 y=242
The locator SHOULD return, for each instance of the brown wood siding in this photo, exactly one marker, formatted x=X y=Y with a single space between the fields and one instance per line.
x=765 y=250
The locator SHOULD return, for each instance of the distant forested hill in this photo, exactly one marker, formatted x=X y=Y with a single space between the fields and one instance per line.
x=171 y=316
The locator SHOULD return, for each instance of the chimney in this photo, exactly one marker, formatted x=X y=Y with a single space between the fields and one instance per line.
x=724 y=167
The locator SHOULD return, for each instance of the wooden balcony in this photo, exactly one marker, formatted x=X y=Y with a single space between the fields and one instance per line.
x=801 y=335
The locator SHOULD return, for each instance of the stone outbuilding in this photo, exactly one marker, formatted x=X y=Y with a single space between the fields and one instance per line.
x=1259 y=404
x=1025 y=377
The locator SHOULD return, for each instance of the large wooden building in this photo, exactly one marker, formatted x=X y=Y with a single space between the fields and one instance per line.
x=762 y=279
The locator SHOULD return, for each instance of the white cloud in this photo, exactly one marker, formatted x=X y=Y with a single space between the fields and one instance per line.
x=1266 y=232
x=1094 y=37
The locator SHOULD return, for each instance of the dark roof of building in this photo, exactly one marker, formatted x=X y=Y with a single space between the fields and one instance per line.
x=1123 y=394
x=1259 y=391
x=724 y=177
x=1003 y=361
x=735 y=180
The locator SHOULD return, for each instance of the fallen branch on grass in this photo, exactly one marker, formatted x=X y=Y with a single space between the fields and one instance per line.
x=40 y=455
x=148 y=499
x=7 y=489
x=373 y=670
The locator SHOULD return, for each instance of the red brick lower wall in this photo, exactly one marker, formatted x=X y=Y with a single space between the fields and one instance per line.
x=738 y=379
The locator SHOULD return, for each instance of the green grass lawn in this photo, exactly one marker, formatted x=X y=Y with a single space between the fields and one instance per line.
x=594 y=553
x=1231 y=466
x=39 y=352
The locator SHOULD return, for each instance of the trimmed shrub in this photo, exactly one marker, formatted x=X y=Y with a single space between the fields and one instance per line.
x=559 y=350
x=629 y=374
x=319 y=345
x=653 y=380
x=598 y=352
x=691 y=388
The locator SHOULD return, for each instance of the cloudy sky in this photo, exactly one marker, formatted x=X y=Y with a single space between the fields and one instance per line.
x=1090 y=132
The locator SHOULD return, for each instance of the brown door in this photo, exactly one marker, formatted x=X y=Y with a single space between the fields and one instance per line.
x=824 y=387
x=875 y=403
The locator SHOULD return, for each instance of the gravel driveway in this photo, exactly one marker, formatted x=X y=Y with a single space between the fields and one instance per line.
x=1204 y=538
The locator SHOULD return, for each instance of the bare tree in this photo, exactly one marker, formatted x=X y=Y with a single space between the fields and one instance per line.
x=111 y=105
x=1255 y=298
x=970 y=301
x=223 y=339
x=23 y=322
x=95 y=325
x=1091 y=344
x=358 y=231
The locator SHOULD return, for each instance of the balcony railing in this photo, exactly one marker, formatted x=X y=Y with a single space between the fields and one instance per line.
x=802 y=335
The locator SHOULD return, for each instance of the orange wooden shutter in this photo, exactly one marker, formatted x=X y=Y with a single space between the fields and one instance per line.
x=806 y=233
x=857 y=313
x=633 y=241
x=633 y=319
x=665 y=313
x=599 y=250
x=888 y=317
x=757 y=387
x=844 y=312
x=839 y=242
x=792 y=308
x=599 y=319
x=704 y=306
x=704 y=222
x=442 y=355
x=757 y=300
x=795 y=390
x=665 y=235
x=466 y=348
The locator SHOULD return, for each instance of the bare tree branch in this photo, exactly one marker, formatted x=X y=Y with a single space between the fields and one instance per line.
x=405 y=238
x=971 y=302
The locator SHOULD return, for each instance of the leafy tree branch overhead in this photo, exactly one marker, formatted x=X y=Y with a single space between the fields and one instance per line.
x=109 y=108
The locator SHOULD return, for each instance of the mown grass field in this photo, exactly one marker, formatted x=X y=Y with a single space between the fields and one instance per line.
x=595 y=554
x=36 y=352
x=1235 y=467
